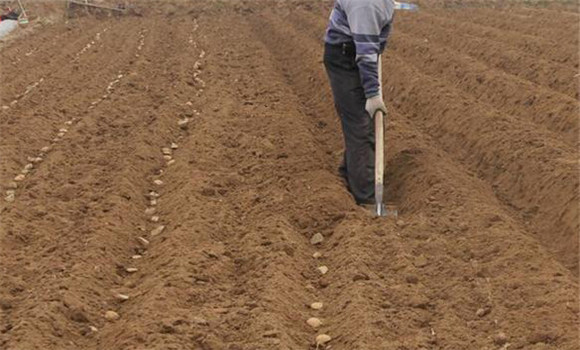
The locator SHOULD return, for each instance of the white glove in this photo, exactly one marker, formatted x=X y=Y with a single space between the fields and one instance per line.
x=375 y=104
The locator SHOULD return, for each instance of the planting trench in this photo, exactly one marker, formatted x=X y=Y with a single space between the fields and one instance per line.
x=177 y=212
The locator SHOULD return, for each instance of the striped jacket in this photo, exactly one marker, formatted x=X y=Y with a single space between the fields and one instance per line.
x=367 y=23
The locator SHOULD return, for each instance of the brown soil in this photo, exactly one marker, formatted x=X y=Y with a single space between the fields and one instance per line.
x=481 y=159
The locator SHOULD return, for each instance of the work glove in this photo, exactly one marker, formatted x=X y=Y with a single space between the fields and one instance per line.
x=375 y=104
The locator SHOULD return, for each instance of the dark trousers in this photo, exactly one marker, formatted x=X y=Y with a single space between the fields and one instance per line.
x=357 y=126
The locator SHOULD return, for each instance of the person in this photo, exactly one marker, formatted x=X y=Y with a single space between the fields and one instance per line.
x=355 y=37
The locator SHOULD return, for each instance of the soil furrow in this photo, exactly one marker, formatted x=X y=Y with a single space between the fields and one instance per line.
x=556 y=28
x=184 y=269
x=409 y=303
x=493 y=159
x=242 y=248
x=502 y=92
x=567 y=12
x=34 y=120
x=345 y=302
x=28 y=61
x=71 y=235
x=556 y=76
x=486 y=142
x=178 y=210
x=566 y=54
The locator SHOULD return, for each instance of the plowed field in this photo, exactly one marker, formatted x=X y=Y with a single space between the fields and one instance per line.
x=174 y=167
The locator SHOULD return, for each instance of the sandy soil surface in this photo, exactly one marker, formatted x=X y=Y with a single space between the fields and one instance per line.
x=162 y=178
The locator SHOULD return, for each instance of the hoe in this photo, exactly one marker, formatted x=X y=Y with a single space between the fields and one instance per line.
x=24 y=17
x=382 y=209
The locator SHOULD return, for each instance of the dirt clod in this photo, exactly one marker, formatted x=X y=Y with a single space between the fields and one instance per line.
x=10 y=196
x=183 y=123
x=111 y=315
x=500 y=338
x=421 y=261
x=322 y=339
x=314 y=322
x=200 y=321
x=412 y=279
x=481 y=312
x=122 y=297
x=158 y=230
x=143 y=241
x=271 y=334
x=316 y=306
x=317 y=238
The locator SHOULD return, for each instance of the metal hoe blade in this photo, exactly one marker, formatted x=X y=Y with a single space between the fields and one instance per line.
x=380 y=206
x=380 y=210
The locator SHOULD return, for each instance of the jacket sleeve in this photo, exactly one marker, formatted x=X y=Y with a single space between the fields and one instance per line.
x=366 y=21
